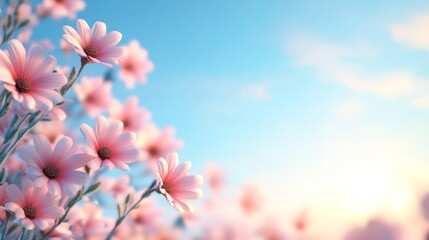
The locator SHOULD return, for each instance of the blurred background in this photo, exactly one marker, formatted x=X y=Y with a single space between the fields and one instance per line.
x=314 y=115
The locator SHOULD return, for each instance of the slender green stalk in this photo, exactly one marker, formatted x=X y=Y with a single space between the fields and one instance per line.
x=122 y=217
x=6 y=222
x=82 y=192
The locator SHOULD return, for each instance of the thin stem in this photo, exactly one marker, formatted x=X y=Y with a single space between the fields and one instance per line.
x=73 y=79
x=120 y=219
x=3 y=236
x=70 y=204
x=22 y=234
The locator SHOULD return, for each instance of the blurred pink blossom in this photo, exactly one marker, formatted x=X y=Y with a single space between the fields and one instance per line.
x=87 y=222
x=3 y=200
x=215 y=177
x=94 y=95
x=134 y=117
x=66 y=47
x=53 y=130
x=251 y=198
x=135 y=64
x=119 y=187
x=156 y=143
x=376 y=229
x=60 y=8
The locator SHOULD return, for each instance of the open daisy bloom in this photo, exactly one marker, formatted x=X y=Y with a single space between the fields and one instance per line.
x=176 y=184
x=57 y=168
x=33 y=206
x=30 y=77
x=109 y=145
x=94 y=45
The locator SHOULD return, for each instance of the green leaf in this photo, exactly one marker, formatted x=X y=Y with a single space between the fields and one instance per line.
x=24 y=23
x=11 y=229
x=2 y=175
x=6 y=105
x=93 y=187
x=118 y=208
x=75 y=199
x=127 y=199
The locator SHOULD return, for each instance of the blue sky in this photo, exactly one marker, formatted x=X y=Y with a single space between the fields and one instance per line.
x=284 y=93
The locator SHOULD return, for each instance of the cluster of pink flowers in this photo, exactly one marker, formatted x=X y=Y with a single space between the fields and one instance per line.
x=51 y=183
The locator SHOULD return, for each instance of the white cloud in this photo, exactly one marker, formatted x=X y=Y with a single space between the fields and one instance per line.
x=421 y=102
x=348 y=109
x=332 y=62
x=257 y=91
x=414 y=33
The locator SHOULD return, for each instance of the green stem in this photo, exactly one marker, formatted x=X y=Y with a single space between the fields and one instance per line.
x=120 y=219
x=3 y=236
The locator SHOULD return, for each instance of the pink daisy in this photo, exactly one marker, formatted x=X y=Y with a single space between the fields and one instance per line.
x=52 y=130
x=33 y=206
x=109 y=145
x=3 y=200
x=251 y=198
x=133 y=117
x=143 y=220
x=30 y=77
x=119 y=187
x=55 y=167
x=94 y=45
x=87 y=222
x=60 y=8
x=215 y=177
x=135 y=64
x=176 y=184
x=94 y=94
x=156 y=143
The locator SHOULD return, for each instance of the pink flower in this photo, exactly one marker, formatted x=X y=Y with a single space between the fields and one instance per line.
x=66 y=47
x=60 y=8
x=376 y=229
x=133 y=117
x=14 y=166
x=57 y=168
x=270 y=229
x=94 y=94
x=141 y=221
x=176 y=184
x=135 y=64
x=3 y=200
x=94 y=44
x=215 y=177
x=29 y=76
x=156 y=143
x=251 y=199
x=33 y=206
x=109 y=145
x=87 y=222
x=62 y=232
x=52 y=130
x=119 y=187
